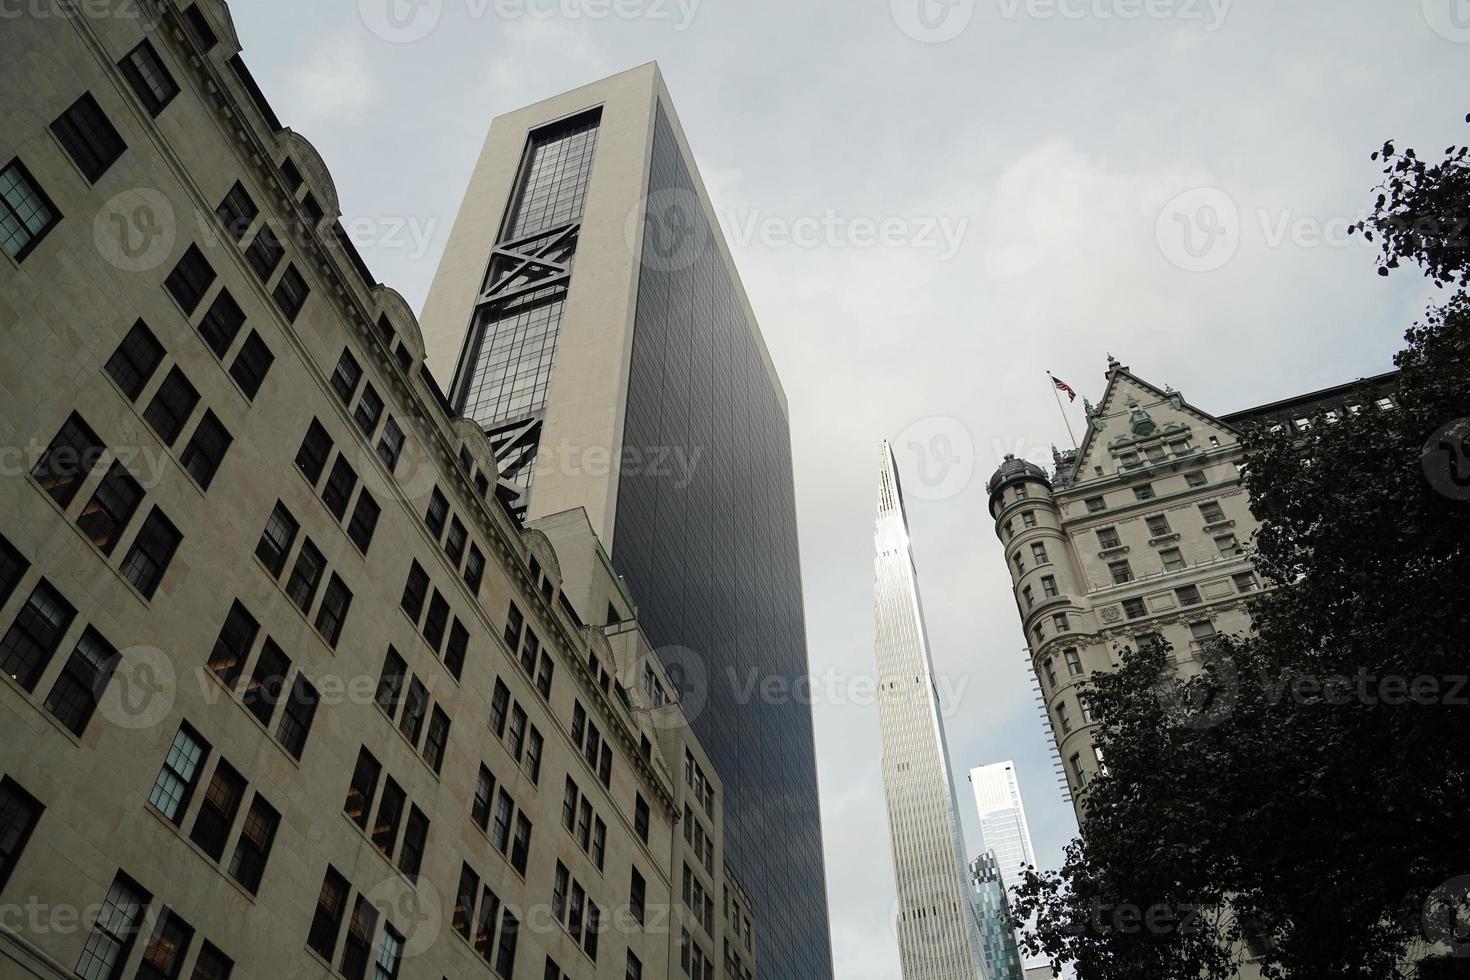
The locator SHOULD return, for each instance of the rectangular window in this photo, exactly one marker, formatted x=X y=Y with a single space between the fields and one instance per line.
x=369 y=410
x=484 y=793
x=455 y=650
x=164 y=954
x=1188 y=595
x=364 y=520
x=265 y=252
x=199 y=27
x=635 y=966
x=1144 y=491
x=464 y=902
x=569 y=804
x=33 y=638
x=133 y=363
x=1107 y=537
x=1195 y=478
x=1038 y=552
x=484 y=937
x=148 y=559
x=267 y=680
x=1095 y=504
x=414 y=709
x=437 y=513
x=212 y=964
x=340 y=484
x=1158 y=526
x=640 y=817
x=1172 y=558
x=390 y=813
x=514 y=622
x=436 y=739
x=1059 y=621
x=295 y=724
x=1049 y=586
x=360 y=791
x=253 y=849
x=544 y=674
x=180 y=772
x=1121 y=571
x=336 y=602
x=150 y=80
x=1244 y=582
x=390 y=444
x=530 y=647
x=116 y=928
x=500 y=822
x=390 y=952
x=217 y=810
x=1211 y=512
x=251 y=365
x=190 y=279
x=1074 y=662
x=276 y=540
x=455 y=543
x=346 y=376
x=26 y=213
x=414 y=838
x=505 y=957
x=1028 y=518
x=1229 y=547
x=19 y=813
x=171 y=406
x=290 y=293
x=206 y=450
x=415 y=591
x=88 y=670
x=499 y=708
x=390 y=684
x=356 y=947
x=88 y=137
x=599 y=842
x=237 y=212
x=515 y=735
x=534 y=747
x=1202 y=631
x=637 y=896
x=520 y=845
x=474 y=569
x=107 y=514
x=311 y=458
x=306 y=576
x=326 y=921
x=1133 y=608
x=1064 y=720
x=436 y=621
x=68 y=460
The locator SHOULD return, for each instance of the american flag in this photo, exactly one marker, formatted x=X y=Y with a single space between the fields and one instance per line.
x=1063 y=386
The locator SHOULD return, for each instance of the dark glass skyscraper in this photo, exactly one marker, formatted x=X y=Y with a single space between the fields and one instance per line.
x=638 y=387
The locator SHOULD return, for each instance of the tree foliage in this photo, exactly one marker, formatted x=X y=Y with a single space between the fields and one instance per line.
x=1308 y=786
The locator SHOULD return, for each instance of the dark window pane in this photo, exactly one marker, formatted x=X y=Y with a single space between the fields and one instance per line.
x=369 y=410
x=32 y=639
x=505 y=957
x=68 y=460
x=26 y=213
x=390 y=814
x=340 y=484
x=199 y=27
x=454 y=652
x=474 y=569
x=414 y=709
x=455 y=542
x=254 y=846
x=265 y=252
x=326 y=921
x=296 y=720
x=414 y=838
x=292 y=175
x=132 y=365
x=390 y=683
x=359 y=939
x=437 y=513
x=437 y=739
x=212 y=965
x=221 y=323
x=217 y=810
x=206 y=449
x=290 y=293
x=276 y=539
x=111 y=939
x=190 y=279
x=311 y=458
x=164 y=954
x=19 y=812
x=263 y=691
x=232 y=648
x=364 y=520
x=436 y=620
x=484 y=794
x=252 y=364
x=88 y=137
x=390 y=444
x=306 y=576
x=336 y=601
x=415 y=590
x=148 y=559
x=360 y=791
x=150 y=80
x=113 y=503
x=484 y=938
x=464 y=901
x=171 y=406
x=237 y=212
x=180 y=771
x=13 y=566
x=76 y=692
x=345 y=376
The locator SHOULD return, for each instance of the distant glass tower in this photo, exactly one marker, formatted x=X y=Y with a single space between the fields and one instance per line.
x=1003 y=826
x=937 y=921
x=1002 y=957
x=588 y=317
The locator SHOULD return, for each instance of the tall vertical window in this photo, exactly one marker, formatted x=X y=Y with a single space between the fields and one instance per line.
x=290 y=293
x=505 y=956
x=88 y=670
x=212 y=964
x=252 y=364
x=437 y=739
x=390 y=444
x=277 y=538
x=206 y=450
x=415 y=590
x=89 y=137
x=369 y=410
x=437 y=513
x=484 y=941
x=311 y=458
x=190 y=279
x=171 y=406
x=26 y=213
x=263 y=692
x=237 y=212
x=218 y=808
x=484 y=793
x=19 y=813
x=360 y=791
x=265 y=252
x=112 y=937
x=364 y=520
x=132 y=365
x=474 y=569
x=253 y=848
x=149 y=79
x=390 y=952
x=326 y=921
x=500 y=823
x=390 y=813
x=180 y=772
x=336 y=601
x=346 y=376
x=340 y=484
x=456 y=648
x=306 y=576
x=68 y=460
x=221 y=323
x=464 y=901
x=436 y=621
x=295 y=723
x=107 y=514
x=148 y=559
x=33 y=638
x=520 y=845
x=415 y=836
x=414 y=709
x=390 y=683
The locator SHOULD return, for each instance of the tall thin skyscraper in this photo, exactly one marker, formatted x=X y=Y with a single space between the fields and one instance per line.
x=1003 y=826
x=937 y=922
x=588 y=317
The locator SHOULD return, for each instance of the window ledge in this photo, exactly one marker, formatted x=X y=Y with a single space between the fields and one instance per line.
x=1171 y=536
x=1220 y=525
x=1114 y=551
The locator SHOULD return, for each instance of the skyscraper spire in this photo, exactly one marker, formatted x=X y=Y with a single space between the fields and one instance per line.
x=937 y=924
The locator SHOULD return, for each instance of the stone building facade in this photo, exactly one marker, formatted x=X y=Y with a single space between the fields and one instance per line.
x=287 y=691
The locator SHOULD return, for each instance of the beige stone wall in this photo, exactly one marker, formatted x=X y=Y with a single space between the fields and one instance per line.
x=64 y=309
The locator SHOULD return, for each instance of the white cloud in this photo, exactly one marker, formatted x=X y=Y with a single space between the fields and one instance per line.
x=335 y=85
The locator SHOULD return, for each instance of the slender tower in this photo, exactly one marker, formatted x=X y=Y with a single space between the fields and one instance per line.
x=937 y=924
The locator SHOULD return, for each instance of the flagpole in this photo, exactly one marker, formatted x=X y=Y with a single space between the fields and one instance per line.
x=1065 y=420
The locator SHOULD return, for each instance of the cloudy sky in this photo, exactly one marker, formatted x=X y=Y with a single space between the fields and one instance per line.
x=930 y=207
